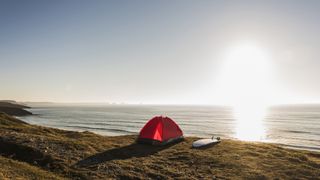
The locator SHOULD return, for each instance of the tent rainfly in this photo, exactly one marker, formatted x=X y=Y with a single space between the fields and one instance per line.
x=160 y=131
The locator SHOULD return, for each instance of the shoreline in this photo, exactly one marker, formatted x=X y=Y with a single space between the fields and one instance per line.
x=113 y=121
x=288 y=146
x=292 y=147
x=31 y=151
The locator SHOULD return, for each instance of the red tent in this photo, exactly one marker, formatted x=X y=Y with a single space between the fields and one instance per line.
x=160 y=130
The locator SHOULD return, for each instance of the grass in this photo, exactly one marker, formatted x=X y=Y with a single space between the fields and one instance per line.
x=11 y=169
x=85 y=155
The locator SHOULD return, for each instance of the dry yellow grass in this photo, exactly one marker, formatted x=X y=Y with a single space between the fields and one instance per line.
x=86 y=155
x=11 y=169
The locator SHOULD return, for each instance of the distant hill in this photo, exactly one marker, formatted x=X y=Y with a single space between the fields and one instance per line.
x=9 y=101
x=32 y=104
x=13 y=108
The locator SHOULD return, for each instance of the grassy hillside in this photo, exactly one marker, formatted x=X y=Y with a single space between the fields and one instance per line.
x=11 y=169
x=85 y=155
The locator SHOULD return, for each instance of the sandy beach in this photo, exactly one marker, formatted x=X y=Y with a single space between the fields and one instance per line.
x=31 y=152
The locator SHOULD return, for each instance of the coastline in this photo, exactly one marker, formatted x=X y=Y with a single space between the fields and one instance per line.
x=34 y=150
x=14 y=109
x=291 y=130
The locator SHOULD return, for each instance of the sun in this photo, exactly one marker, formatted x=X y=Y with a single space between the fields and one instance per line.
x=245 y=83
x=245 y=75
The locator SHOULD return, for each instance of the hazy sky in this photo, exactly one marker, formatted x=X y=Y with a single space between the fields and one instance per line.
x=152 y=51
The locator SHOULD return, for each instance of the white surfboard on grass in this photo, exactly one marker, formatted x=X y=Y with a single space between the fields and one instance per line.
x=205 y=142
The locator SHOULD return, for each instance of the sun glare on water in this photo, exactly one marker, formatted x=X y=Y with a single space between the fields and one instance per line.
x=245 y=83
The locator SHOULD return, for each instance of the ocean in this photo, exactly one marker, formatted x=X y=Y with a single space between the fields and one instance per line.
x=294 y=126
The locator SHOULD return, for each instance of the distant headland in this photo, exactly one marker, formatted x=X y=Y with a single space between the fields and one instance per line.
x=14 y=108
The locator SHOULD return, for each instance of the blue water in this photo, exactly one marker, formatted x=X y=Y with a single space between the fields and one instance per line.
x=292 y=126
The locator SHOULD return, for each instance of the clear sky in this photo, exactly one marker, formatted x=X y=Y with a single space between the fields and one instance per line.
x=156 y=51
